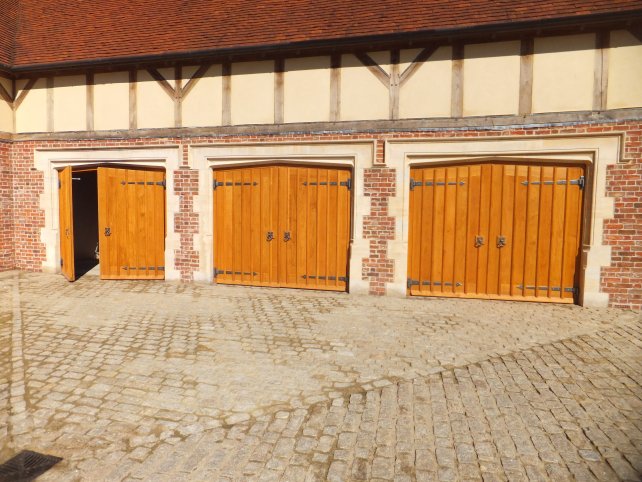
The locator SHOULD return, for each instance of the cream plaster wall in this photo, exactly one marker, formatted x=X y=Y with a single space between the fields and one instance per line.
x=491 y=78
x=155 y=107
x=363 y=96
x=111 y=101
x=307 y=90
x=253 y=93
x=70 y=103
x=563 y=73
x=203 y=105
x=6 y=113
x=427 y=92
x=625 y=71
x=31 y=116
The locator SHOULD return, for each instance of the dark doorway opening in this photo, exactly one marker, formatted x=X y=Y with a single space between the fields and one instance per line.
x=85 y=203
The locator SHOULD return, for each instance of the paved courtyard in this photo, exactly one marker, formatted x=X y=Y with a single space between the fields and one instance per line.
x=163 y=381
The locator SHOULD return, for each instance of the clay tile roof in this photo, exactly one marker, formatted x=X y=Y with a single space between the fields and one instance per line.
x=75 y=31
x=8 y=18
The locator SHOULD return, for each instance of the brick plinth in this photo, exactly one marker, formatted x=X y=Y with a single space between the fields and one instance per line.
x=22 y=218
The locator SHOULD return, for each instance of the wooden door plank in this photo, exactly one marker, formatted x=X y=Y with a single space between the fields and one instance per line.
x=313 y=223
x=532 y=226
x=461 y=220
x=450 y=213
x=506 y=230
x=557 y=231
x=322 y=232
x=344 y=206
x=484 y=227
x=519 y=230
x=333 y=232
x=544 y=238
x=301 y=228
x=66 y=216
x=572 y=233
x=414 y=229
x=436 y=272
x=494 y=228
x=472 y=229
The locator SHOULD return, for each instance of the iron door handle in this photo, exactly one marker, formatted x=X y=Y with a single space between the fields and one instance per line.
x=269 y=236
x=107 y=231
x=286 y=236
x=501 y=241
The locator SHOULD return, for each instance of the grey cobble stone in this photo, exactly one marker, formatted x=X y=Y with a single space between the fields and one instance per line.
x=156 y=381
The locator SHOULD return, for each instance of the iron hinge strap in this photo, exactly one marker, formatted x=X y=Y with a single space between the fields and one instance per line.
x=581 y=181
x=414 y=183
x=546 y=288
x=323 y=278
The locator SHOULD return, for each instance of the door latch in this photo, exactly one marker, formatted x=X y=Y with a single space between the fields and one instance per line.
x=286 y=236
x=107 y=231
x=501 y=241
x=479 y=241
x=270 y=236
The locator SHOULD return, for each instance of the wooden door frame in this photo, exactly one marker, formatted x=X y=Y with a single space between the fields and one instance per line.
x=48 y=161
x=594 y=152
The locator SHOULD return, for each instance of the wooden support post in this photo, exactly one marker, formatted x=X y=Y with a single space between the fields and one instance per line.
x=601 y=77
x=335 y=88
x=50 y=104
x=90 y=101
x=133 y=101
x=394 y=84
x=178 y=96
x=279 y=68
x=457 y=99
x=227 y=94
x=526 y=77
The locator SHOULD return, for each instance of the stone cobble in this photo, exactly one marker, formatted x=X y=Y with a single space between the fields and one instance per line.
x=164 y=381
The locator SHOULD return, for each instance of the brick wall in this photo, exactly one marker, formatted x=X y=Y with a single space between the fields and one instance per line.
x=6 y=217
x=622 y=280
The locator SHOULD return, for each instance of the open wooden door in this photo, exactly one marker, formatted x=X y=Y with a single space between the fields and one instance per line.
x=66 y=208
x=131 y=223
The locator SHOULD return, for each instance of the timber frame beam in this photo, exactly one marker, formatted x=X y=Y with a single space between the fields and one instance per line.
x=395 y=79
x=178 y=92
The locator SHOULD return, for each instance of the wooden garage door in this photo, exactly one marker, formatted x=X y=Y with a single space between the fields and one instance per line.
x=495 y=231
x=282 y=226
x=131 y=223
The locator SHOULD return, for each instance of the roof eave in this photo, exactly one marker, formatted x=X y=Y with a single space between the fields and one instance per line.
x=622 y=19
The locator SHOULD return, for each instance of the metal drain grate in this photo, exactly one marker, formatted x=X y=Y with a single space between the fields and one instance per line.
x=26 y=466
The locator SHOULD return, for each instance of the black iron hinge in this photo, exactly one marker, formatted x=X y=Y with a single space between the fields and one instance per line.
x=347 y=184
x=412 y=282
x=216 y=184
x=414 y=184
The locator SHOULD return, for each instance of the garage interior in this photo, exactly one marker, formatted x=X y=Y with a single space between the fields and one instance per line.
x=85 y=219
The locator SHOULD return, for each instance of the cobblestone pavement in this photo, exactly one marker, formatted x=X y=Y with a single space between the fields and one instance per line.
x=163 y=381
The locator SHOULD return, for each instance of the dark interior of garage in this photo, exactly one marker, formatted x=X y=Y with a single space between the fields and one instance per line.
x=85 y=208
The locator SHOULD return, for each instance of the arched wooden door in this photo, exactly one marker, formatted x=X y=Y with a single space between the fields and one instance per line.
x=500 y=231
x=284 y=226
x=131 y=223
